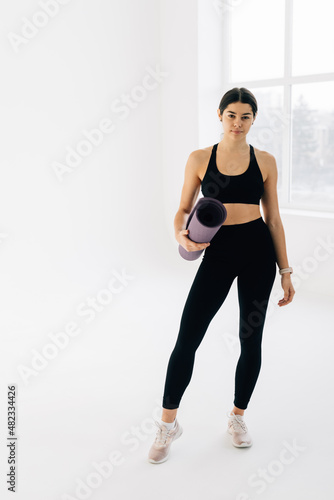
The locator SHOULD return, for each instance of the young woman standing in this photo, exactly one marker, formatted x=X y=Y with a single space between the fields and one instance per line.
x=246 y=246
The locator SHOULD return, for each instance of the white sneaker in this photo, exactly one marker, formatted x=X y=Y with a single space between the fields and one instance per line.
x=159 y=451
x=238 y=429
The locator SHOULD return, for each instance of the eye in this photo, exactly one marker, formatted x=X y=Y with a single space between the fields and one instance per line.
x=244 y=117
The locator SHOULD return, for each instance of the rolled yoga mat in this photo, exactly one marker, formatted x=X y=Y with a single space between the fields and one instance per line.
x=203 y=222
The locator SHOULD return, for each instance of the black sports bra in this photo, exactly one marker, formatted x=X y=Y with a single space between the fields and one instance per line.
x=243 y=188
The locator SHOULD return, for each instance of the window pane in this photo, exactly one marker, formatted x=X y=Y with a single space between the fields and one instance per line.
x=313 y=37
x=312 y=183
x=267 y=132
x=257 y=40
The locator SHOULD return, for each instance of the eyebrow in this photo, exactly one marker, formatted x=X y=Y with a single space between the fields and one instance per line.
x=235 y=113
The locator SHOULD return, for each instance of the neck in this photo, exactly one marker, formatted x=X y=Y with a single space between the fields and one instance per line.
x=230 y=145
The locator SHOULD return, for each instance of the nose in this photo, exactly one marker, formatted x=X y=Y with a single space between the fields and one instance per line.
x=237 y=122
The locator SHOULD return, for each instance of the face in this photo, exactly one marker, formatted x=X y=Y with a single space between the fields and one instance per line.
x=237 y=119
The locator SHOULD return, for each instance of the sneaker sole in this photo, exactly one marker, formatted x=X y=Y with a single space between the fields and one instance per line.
x=167 y=456
x=242 y=445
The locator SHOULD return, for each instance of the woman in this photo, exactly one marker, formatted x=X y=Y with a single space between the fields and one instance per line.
x=246 y=246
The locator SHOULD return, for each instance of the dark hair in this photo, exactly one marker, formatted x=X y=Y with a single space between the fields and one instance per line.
x=238 y=95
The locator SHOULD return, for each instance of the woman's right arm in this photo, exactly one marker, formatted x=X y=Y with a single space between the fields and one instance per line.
x=189 y=194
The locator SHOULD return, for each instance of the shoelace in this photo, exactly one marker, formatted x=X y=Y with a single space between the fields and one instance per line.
x=238 y=423
x=162 y=434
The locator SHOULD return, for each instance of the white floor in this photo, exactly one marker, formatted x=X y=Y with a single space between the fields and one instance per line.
x=95 y=402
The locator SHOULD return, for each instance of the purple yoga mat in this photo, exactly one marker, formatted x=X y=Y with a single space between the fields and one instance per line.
x=203 y=222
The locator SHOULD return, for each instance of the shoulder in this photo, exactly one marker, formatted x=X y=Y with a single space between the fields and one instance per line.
x=266 y=162
x=201 y=154
x=267 y=159
x=198 y=160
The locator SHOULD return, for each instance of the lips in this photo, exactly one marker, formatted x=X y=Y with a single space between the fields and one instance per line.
x=236 y=131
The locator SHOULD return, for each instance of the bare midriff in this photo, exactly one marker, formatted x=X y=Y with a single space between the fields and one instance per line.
x=239 y=213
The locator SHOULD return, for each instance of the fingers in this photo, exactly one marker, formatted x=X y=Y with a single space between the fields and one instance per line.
x=288 y=296
x=192 y=246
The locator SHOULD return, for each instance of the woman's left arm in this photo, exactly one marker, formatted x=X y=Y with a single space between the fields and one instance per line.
x=273 y=220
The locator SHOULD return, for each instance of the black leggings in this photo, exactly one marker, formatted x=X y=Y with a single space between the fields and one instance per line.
x=244 y=250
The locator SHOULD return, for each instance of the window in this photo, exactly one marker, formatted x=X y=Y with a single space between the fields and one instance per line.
x=283 y=52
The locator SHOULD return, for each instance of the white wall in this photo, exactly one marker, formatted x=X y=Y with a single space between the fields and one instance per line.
x=179 y=126
x=310 y=246
x=61 y=238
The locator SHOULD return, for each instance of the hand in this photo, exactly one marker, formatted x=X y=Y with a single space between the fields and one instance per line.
x=189 y=245
x=289 y=291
